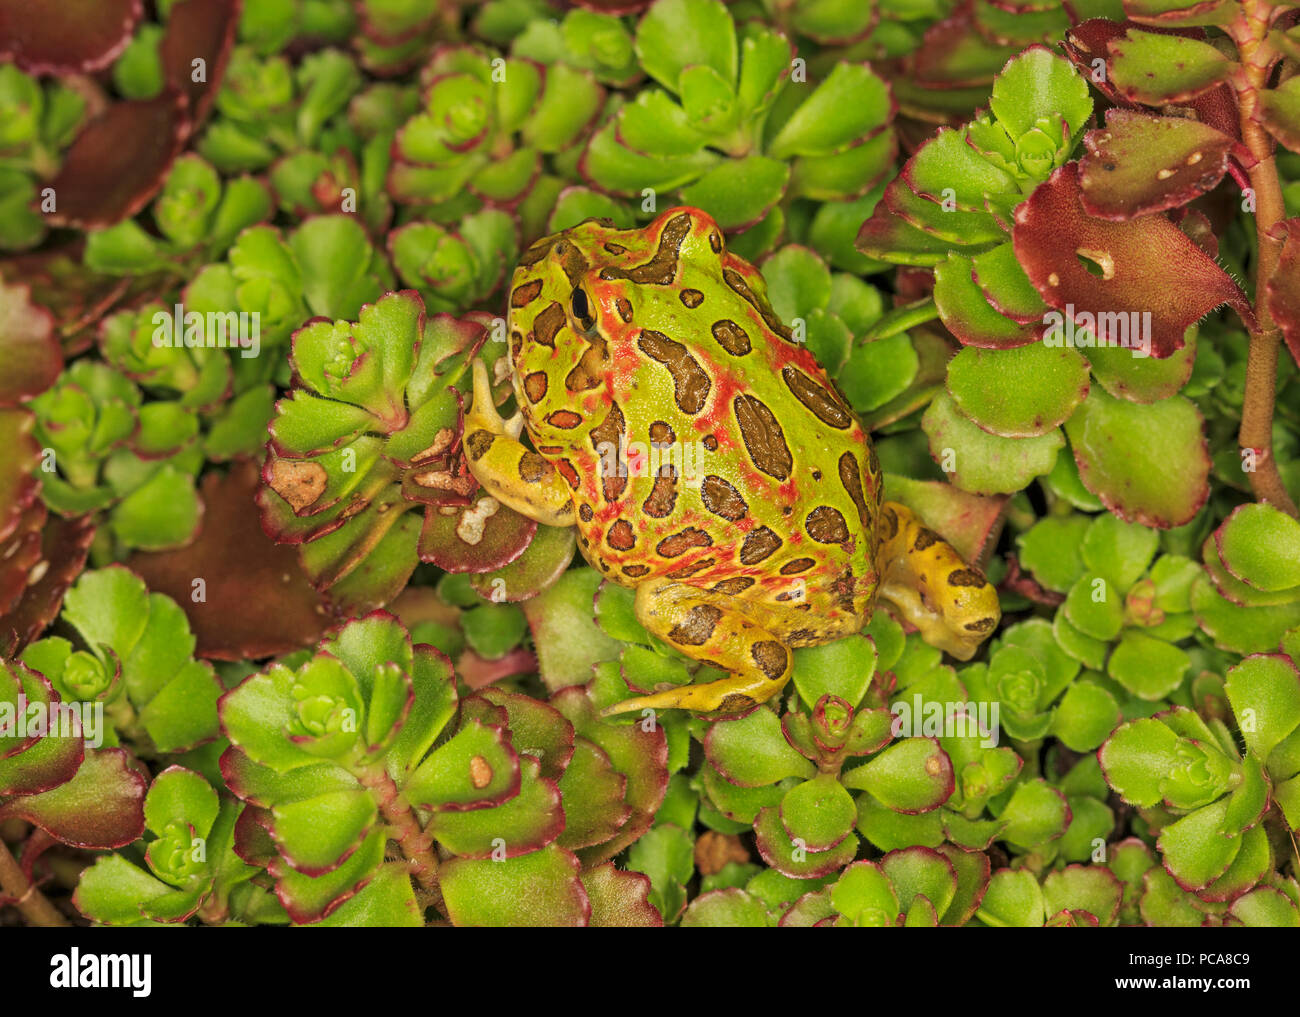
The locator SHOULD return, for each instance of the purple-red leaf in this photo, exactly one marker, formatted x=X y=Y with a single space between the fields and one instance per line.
x=66 y=36
x=63 y=546
x=19 y=454
x=75 y=296
x=118 y=161
x=199 y=30
x=257 y=600
x=1143 y=265
x=1148 y=463
x=20 y=553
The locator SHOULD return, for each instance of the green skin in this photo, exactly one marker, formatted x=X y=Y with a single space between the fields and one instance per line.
x=706 y=459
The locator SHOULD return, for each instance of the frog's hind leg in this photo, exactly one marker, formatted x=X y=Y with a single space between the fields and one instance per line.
x=511 y=472
x=952 y=605
x=709 y=628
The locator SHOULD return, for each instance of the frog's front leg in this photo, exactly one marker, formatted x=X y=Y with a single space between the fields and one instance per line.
x=707 y=627
x=511 y=472
x=953 y=606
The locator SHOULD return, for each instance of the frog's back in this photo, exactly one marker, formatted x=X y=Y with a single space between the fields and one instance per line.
x=714 y=450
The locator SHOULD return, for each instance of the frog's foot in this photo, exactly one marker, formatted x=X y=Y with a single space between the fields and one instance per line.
x=705 y=626
x=952 y=605
x=483 y=415
x=511 y=472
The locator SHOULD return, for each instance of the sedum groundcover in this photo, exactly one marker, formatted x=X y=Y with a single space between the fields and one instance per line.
x=285 y=641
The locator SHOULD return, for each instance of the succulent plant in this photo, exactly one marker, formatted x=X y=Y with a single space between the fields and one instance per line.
x=484 y=125
x=735 y=105
x=1124 y=608
x=301 y=669
x=354 y=734
x=38 y=123
x=196 y=215
x=135 y=657
x=327 y=266
x=372 y=432
x=104 y=449
x=190 y=864
x=49 y=777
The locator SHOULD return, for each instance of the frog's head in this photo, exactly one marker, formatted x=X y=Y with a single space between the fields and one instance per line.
x=580 y=286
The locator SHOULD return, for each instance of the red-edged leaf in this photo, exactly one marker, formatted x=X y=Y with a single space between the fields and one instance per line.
x=620 y=898
x=595 y=798
x=967 y=313
x=1090 y=40
x=528 y=821
x=20 y=553
x=1186 y=12
x=1143 y=265
x=253 y=843
x=29 y=349
x=1283 y=289
x=1148 y=463
x=888 y=236
x=119 y=161
x=1156 y=68
x=199 y=30
x=548 y=555
x=75 y=296
x=66 y=36
x=536 y=729
x=1140 y=164
x=64 y=544
x=793 y=860
x=32 y=763
x=102 y=806
x=641 y=756
x=19 y=454
x=542 y=888
x=470 y=540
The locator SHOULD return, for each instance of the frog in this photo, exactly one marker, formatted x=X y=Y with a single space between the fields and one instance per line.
x=706 y=459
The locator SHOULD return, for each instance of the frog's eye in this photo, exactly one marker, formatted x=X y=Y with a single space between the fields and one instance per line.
x=581 y=307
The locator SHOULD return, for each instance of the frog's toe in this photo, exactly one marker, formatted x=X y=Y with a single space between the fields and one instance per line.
x=483 y=412
x=705 y=626
x=951 y=604
x=722 y=700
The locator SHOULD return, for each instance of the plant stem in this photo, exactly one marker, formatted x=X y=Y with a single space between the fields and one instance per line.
x=30 y=902
x=1249 y=31
x=415 y=844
